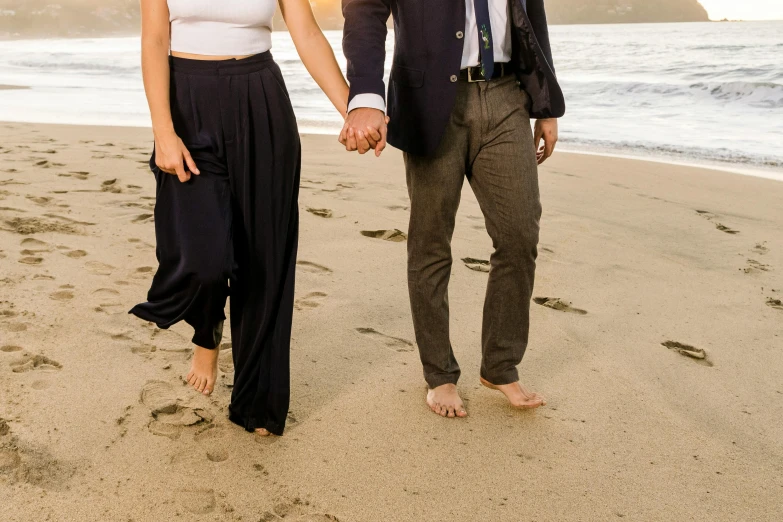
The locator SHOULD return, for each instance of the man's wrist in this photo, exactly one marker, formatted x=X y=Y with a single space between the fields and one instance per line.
x=367 y=101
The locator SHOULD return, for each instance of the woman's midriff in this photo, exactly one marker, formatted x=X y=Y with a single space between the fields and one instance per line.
x=190 y=56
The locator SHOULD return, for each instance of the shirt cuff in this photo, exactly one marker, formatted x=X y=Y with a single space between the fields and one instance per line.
x=367 y=100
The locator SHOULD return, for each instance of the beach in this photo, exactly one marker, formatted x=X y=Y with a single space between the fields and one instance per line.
x=656 y=337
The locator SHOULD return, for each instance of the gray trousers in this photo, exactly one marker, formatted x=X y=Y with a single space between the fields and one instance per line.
x=488 y=140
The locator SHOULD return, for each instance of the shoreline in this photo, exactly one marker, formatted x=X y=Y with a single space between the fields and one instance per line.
x=312 y=130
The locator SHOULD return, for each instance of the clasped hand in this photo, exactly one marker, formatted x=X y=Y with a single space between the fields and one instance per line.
x=364 y=130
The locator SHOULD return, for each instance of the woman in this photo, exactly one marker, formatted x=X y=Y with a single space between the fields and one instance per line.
x=226 y=162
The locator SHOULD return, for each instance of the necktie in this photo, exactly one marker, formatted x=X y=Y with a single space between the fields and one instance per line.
x=485 y=38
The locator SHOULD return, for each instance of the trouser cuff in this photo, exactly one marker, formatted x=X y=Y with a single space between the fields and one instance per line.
x=439 y=379
x=209 y=337
x=501 y=378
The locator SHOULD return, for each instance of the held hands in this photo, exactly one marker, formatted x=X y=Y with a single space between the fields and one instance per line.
x=546 y=129
x=171 y=156
x=364 y=129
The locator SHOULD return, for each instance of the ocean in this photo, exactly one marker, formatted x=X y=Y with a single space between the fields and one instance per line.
x=703 y=93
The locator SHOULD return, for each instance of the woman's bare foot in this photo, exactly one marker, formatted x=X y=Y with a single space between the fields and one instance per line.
x=203 y=370
x=519 y=396
x=445 y=401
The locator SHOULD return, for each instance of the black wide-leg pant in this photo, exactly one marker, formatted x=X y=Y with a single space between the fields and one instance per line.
x=233 y=229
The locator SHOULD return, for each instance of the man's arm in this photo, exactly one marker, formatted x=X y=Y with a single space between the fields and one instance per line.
x=364 y=46
x=537 y=15
x=545 y=130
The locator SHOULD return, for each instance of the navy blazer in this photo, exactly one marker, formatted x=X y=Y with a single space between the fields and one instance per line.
x=428 y=37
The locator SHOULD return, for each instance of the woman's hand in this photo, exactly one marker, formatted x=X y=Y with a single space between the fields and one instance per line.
x=172 y=156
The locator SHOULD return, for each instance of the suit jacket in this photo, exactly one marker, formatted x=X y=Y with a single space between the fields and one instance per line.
x=427 y=57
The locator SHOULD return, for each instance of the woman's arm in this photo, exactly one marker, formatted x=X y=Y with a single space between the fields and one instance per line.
x=170 y=152
x=315 y=51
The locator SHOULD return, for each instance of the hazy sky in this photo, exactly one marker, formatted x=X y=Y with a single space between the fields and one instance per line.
x=744 y=9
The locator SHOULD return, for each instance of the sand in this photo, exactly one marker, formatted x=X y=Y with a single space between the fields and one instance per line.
x=657 y=338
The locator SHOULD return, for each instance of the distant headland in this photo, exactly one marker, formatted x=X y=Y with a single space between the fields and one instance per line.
x=92 y=18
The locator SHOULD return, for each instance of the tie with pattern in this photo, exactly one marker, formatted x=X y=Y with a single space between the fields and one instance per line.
x=485 y=38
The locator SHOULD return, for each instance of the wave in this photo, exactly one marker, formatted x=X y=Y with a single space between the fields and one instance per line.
x=90 y=67
x=677 y=152
x=765 y=95
x=758 y=94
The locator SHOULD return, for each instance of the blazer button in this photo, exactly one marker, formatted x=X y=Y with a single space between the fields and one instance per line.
x=453 y=78
x=460 y=34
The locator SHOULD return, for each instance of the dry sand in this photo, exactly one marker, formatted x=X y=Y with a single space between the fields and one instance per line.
x=97 y=424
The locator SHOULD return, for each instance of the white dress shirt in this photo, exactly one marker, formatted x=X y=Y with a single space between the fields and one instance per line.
x=501 y=31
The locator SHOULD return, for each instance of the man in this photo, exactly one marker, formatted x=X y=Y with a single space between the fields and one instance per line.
x=467 y=75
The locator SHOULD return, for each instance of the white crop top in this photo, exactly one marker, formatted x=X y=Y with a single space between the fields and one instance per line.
x=221 y=27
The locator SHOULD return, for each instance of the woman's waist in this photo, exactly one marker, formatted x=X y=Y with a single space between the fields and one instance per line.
x=220 y=65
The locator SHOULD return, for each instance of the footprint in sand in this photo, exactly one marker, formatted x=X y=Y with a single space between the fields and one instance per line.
x=98 y=268
x=81 y=175
x=6 y=311
x=76 y=253
x=8 y=348
x=755 y=267
x=312 y=268
x=397 y=207
x=697 y=354
x=35 y=246
x=34 y=362
x=62 y=295
x=294 y=509
x=40 y=200
x=556 y=303
x=106 y=292
x=217 y=454
x=15 y=327
x=775 y=303
x=320 y=212
x=30 y=260
x=709 y=216
x=27 y=226
x=479 y=265
x=724 y=228
x=395 y=235
x=760 y=248
x=396 y=343
x=159 y=397
x=143 y=218
x=169 y=416
x=110 y=185
x=311 y=300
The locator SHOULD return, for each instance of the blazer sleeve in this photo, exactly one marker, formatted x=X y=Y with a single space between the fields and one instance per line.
x=364 y=45
x=537 y=15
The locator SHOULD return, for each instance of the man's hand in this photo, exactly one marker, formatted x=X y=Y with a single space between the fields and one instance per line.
x=546 y=129
x=171 y=156
x=364 y=129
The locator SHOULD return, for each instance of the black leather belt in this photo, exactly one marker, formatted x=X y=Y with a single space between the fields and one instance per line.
x=473 y=74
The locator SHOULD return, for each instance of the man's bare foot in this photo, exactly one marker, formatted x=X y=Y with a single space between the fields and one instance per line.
x=445 y=401
x=262 y=432
x=203 y=370
x=519 y=396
